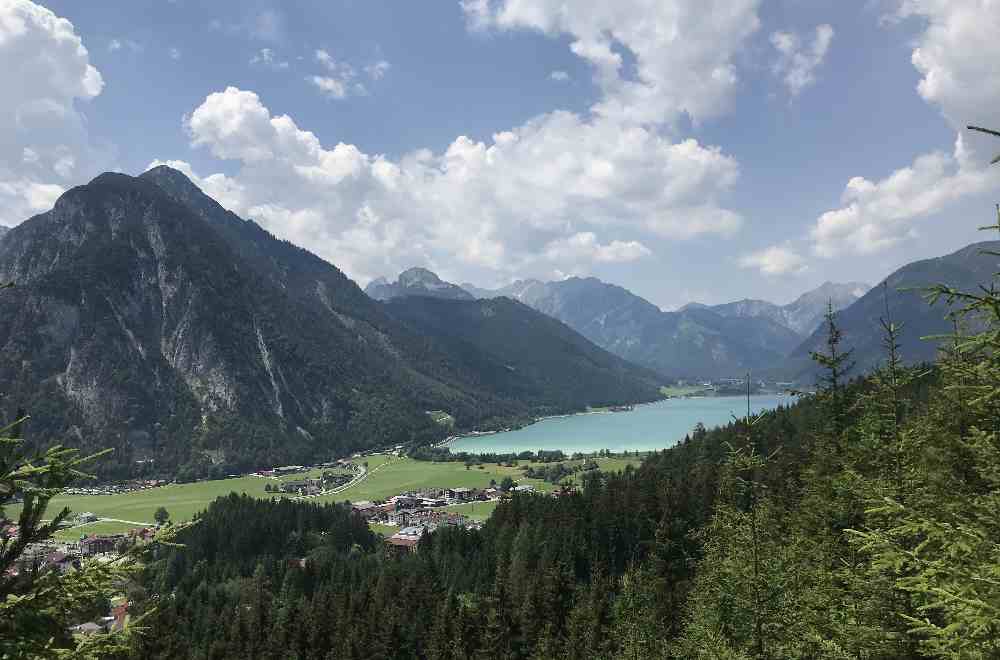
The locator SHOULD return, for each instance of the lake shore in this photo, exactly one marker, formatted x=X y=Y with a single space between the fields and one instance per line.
x=478 y=434
x=648 y=427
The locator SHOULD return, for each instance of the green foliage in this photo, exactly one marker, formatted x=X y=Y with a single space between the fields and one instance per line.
x=38 y=605
x=933 y=530
x=190 y=310
x=863 y=522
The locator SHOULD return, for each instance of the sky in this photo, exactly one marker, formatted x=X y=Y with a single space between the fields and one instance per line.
x=688 y=150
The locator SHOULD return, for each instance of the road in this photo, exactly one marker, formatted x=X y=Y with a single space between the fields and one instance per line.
x=361 y=476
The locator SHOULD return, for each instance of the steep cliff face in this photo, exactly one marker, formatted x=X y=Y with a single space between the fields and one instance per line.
x=132 y=311
x=148 y=318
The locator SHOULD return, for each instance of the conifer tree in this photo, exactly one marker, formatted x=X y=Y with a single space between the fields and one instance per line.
x=835 y=364
x=37 y=607
x=936 y=538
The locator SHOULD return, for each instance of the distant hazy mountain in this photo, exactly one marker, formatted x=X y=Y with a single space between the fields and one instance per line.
x=416 y=282
x=694 y=342
x=803 y=315
x=965 y=269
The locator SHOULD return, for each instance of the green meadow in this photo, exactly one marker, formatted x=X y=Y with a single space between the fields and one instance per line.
x=398 y=475
x=99 y=527
x=388 y=475
x=474 y=510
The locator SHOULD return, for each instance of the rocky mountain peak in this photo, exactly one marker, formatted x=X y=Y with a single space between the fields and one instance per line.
x=417 y=276
x=416 y=281
x=172 y=181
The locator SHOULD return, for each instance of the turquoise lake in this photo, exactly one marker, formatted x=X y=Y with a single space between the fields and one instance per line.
x=648 y=427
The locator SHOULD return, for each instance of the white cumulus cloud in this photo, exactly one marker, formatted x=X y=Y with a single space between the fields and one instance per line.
x=43 y=139
x=797 y=62
x=683 y=49
x=879 y=214
x=584 y=247
x=775 y=260
x=559 y=76
x=956 y=54
x=545 y=195
x=558 y=193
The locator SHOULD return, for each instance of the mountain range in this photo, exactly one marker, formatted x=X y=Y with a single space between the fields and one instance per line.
x=148 y=318
x=696 y=341
x=803 y=315
x=775 y=341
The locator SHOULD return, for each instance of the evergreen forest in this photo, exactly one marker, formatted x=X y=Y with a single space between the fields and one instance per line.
x=861 y=522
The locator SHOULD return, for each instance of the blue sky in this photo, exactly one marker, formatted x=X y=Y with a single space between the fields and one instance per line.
x=687 y=149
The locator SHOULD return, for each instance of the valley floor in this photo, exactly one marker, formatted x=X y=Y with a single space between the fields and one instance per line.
x=386 y=475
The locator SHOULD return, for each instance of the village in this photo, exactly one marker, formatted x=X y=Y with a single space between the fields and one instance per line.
x=413 y=513
x=328 y=481
x=64 y=556
x=417 y=513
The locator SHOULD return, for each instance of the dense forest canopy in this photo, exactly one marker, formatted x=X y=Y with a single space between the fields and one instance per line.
x=860 y=522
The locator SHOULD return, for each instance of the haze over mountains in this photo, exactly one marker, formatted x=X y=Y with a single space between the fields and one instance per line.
x=148 y=318
x=710 y=341
x=697 y=341
x=803 y=315
x=417 y=282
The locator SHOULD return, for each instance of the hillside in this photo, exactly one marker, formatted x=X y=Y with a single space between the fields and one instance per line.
x=149 y=319
x=531 y=356
x=691 y=343
x=965 y=269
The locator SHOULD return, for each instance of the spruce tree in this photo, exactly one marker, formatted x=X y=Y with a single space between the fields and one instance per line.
x=936 y=537
x=38 y=606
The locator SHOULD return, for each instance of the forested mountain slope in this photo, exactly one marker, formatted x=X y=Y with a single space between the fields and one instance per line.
x=779 y=537
x=904 y=291
x=147 y=318
x=531 y=356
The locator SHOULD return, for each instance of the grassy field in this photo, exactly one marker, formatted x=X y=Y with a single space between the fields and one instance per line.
x=100 y=527
x=399 y=475
x=384 y=530
x=388 y=476
x=374 y=460
x=405 y=474
x=474 y=510
x=182 y=501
